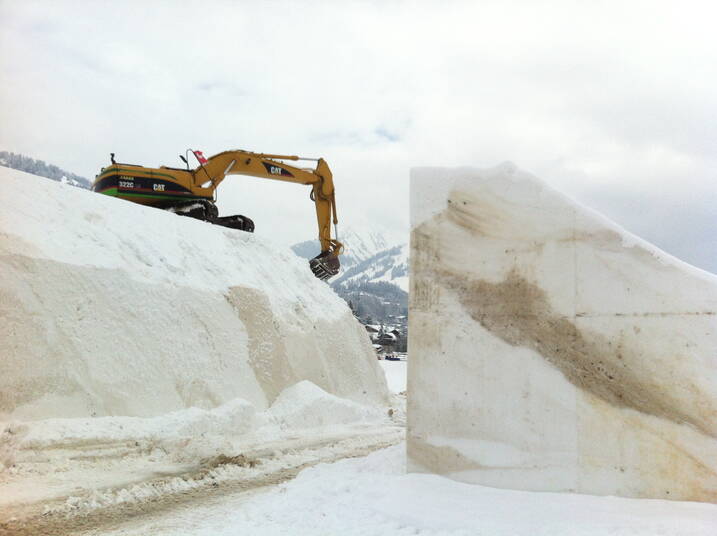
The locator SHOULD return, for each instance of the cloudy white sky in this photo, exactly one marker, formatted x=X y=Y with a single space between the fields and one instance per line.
x=614 y=103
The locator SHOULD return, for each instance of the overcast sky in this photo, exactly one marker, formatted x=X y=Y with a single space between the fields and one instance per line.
x=614 y=103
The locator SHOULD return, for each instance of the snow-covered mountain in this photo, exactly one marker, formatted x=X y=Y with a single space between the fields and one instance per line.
x=374 y=274
x=368 y=257
x=358 y=246
x=389 y=265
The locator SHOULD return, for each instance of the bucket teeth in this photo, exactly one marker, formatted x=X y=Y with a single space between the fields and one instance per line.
x=325 y=266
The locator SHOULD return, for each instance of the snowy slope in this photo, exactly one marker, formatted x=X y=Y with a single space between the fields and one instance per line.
x=111 y=308
x=389 y=265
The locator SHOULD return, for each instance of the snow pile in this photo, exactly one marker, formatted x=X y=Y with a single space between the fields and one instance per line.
x=114 y=309
x=550 y=349
x=186 y=433
x=233 y=418
x=63 y=467
x=305 y=405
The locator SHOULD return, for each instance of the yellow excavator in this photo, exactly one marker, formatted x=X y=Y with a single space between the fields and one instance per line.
x=192 y=192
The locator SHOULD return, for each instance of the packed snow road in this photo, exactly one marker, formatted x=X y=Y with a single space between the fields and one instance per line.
x=143 y=487
x=374 y=496
x=165 y=475
x=90 y=476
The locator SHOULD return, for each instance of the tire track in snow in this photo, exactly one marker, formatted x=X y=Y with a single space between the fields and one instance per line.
x=254 y=469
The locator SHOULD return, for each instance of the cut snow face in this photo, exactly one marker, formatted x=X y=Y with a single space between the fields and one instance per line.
x=550 y=349
x=114 y=309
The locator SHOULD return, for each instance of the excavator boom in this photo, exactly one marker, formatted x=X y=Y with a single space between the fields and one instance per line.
x=191 y=192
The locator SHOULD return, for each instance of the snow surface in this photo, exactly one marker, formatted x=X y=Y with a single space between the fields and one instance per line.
x=303 y=405
x=139 y=347
x=373 y=496
x=71 y=182
x=115 y=309
x=88 y=464
x=151 y=245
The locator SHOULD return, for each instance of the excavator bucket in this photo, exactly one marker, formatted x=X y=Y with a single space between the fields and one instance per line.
x=325 y=265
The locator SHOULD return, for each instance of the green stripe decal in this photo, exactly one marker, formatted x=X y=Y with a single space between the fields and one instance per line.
x=114 y=193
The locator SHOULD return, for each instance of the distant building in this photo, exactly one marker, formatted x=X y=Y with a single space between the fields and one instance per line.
x=374 y=332
x=387 y=339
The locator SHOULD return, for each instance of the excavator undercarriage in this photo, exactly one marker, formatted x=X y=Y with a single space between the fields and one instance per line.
x=205 y=210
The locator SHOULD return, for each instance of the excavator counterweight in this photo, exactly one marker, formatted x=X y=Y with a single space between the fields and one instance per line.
x=192 y=192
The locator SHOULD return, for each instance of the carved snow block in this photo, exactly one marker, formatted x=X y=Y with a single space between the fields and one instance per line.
x=550 y=349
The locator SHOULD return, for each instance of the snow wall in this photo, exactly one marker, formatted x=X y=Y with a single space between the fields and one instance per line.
x=111 y=308
x=550 y=349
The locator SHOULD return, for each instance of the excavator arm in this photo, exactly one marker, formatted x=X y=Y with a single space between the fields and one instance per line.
x=207 y=177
